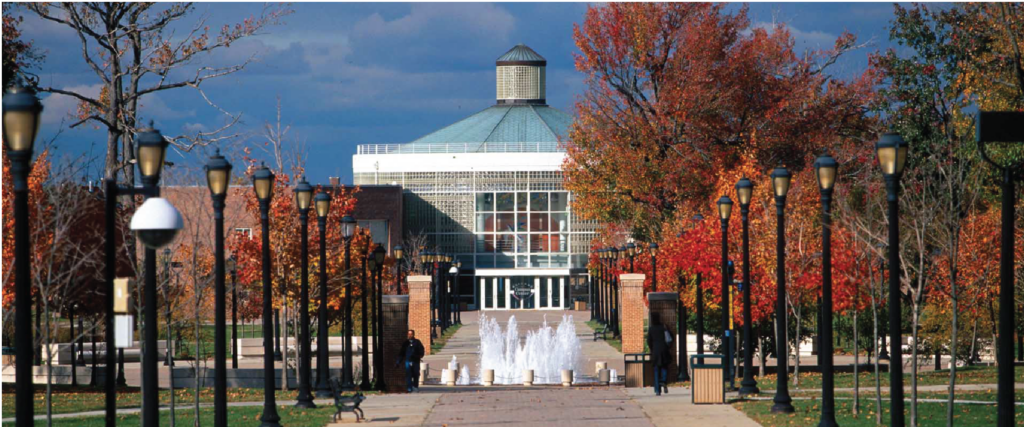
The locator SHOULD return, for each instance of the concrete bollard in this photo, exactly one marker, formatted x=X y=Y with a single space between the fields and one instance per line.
x=566 y=377
x=598 y=366
x=528 y=377
x=448 y=377
x=604 y=377
x=424 y=372
x=488 y=379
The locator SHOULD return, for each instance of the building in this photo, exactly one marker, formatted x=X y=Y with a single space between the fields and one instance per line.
x=489 y=190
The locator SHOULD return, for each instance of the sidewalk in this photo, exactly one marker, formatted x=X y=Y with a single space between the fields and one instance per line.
x=675 y=409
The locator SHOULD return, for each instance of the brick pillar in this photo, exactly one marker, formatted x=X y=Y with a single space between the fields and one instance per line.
x=419 y=308
x=396 y=326
x=664 y=304
x=632 y=312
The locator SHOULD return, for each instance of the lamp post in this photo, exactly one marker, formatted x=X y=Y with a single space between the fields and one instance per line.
x=825 y=168
x=744 y=191
x=631 y=252
x=654 y=266
x=303 y=199
x=369 y=262
x=1004 y=127
x=780 y=186
x=613 y=290
x=218 y=177
x=699 y=300
x=458 y=304
x=151 y=149
x=348 y=229
x=263 y=183
x=378 y=255
x=74 y=341
x=232 y=268
x=599 y=286
x=21 y=110
x=322 y=203
x=892 y=156
x=724 y=211
x=399 y=254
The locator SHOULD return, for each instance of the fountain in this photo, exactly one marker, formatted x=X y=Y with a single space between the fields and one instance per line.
x=547 y=351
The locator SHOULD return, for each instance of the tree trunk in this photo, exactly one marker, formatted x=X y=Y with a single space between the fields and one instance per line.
x=913 y=368
x=878 y=384
x=856 y=366
x=952 y=360
x=974 y=344
x=49 y=368
x=284 y=345
x=796 y=339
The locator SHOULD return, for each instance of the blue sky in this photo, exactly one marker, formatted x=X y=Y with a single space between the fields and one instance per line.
x=360 y=73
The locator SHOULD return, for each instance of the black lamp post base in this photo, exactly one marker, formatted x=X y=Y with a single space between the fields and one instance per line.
x=271 y=423
x=883 y=356
x=749 y=389
x=324 y=392
x=783 y=408
x=305 y=402
x=828 y=422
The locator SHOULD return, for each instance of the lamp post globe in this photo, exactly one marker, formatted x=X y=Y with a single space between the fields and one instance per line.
x=151 y=149
x=218 y=177
x=744 y=193
x=322 y=204
x=21 y=111
x=263 y=185
x=783 y=403
x=891 y=150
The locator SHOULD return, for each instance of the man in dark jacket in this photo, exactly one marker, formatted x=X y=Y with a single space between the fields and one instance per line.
x=657 y=342
x=409 y=356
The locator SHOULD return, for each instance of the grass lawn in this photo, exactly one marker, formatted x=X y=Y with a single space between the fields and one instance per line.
x=964 y=375
x=80 y=399
x=440 y=342
x=290 y=416
x=808 y=413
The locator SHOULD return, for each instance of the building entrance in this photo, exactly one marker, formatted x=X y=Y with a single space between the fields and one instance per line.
x=523 y=292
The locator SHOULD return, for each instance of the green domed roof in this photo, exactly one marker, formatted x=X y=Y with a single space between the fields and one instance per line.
x=520 y=54
x=508 y=124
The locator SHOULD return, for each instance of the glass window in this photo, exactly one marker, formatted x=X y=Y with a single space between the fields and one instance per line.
x=378 y=230
x=538 y=243
x=501 y=292
x=484 y=202
x=556 y=288
x=522 y=243
x=521 y=222
x=504 y=243
x=485 y=243
x=522 y=261
x=539 y=222
x=559 y=242
x=505 y=222
x=485 y=261
x=538 y=201
x=506 y=201
x=559 y=202
x=521 y=201
x=504 y=261
x=539 y=261
x=560 y=222
x=467 y=260
x=559 y=261
x=487 y=283
x=484 y=222
x=543 y=292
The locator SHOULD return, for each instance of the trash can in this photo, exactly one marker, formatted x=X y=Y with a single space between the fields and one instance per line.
x=708 y=378
x=639 y=372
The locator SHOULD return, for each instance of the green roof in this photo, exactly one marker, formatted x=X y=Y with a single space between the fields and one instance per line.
x=521 y=53
x=519 y=123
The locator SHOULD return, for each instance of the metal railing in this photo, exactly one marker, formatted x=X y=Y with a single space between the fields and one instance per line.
x=456 y=147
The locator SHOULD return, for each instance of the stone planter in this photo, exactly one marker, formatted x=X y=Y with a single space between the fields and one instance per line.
x=604 y=377
x=566 y=377
x=424 y=372
x=448 y=377
x=488 y=378
x=528 y=377
x=598 y=366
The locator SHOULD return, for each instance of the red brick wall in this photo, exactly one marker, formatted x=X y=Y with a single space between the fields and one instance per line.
x=396 y=325
x=419 y=309
x=632 y=318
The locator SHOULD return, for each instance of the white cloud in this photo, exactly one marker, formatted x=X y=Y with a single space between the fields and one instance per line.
x=57 y=107
x=476 y=18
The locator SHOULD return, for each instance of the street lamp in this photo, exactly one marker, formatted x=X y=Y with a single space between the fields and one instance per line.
x=458 y=304
x=631 y=251
x=218 y=177
x=699 y=299
x=368 y=262
x=263 y=183
x=780 y=186
x=399 y=254
x=744 y=191
x=232 y=268
x=892 y=156
x=348 y=229
x=654 y=266
x=322 y=203
x=303 y=200
x=825 y=168
x=378 y=258
x=724 y=212
x=21 y=110
x=151 y=148
x=1004 y=126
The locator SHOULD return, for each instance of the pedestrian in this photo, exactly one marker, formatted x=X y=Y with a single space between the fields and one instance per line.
x=658 y=339
x=410 y=355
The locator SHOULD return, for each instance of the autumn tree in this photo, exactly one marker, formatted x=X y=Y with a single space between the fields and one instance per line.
x=19 y=55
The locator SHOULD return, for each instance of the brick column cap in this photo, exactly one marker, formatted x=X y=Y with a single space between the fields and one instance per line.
x=418 y=278
x=630 y=280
